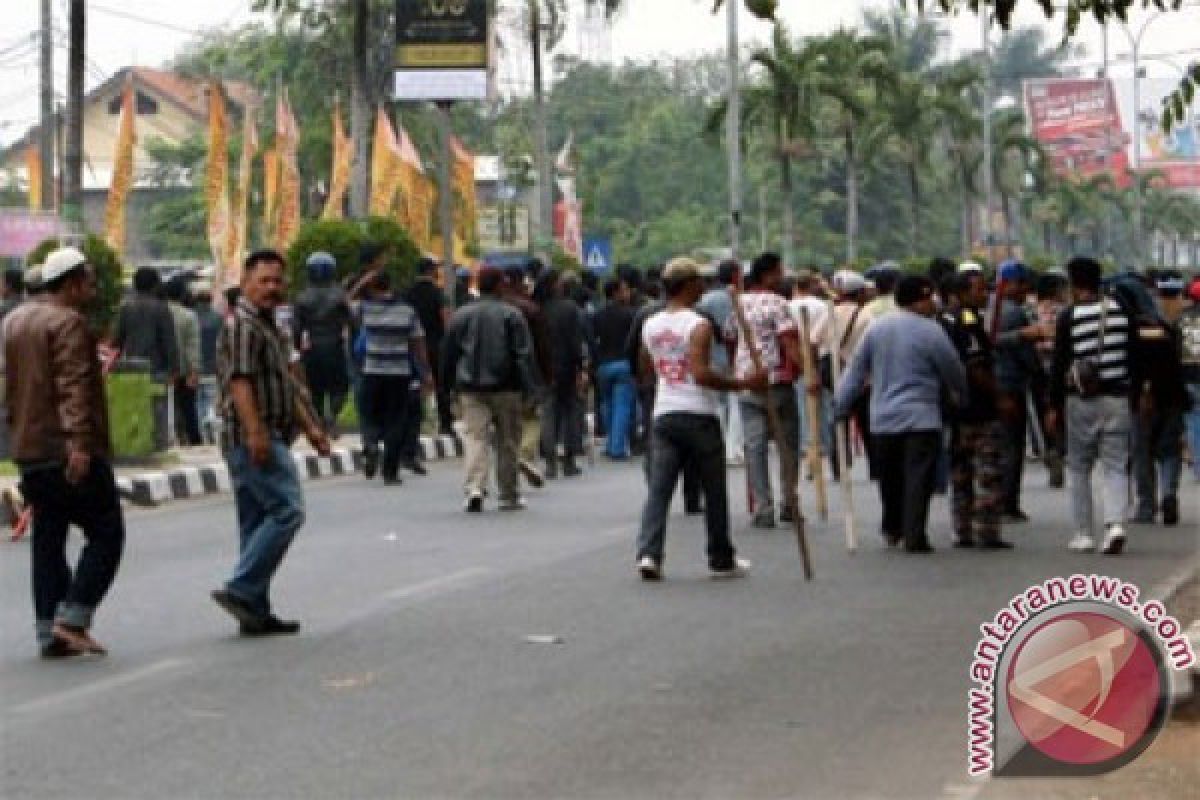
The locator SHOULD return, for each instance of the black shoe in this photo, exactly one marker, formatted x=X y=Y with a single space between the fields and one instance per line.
x=1170 y=510
x=271 y=626
x=238 y=608
x=393 y=480
x=570 y=469
x=995 y=544
x=919 y=547
x=475 y=503
x=551 y=471
x=415 y=467
x=370 y=463
x=964 y=542
x=1015 y=517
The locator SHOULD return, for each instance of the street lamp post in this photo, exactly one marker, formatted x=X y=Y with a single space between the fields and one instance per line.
x=985 y=230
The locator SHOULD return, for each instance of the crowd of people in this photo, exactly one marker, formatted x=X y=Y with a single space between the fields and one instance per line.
x=943 y=381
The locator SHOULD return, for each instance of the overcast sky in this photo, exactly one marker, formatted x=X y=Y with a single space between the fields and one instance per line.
x=148 y=32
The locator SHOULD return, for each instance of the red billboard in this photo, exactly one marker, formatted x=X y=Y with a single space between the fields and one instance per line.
x=1078 y=124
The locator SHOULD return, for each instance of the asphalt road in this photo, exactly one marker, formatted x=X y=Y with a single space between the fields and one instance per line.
x=413 y=676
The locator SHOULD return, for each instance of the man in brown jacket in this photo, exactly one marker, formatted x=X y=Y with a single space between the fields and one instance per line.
x=60 y=441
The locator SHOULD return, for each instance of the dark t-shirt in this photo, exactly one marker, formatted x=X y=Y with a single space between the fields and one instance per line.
x=428 y=300
x=611 y=326
x=970 y=338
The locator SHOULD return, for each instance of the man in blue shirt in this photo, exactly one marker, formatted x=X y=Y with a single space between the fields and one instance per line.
x=912 y=367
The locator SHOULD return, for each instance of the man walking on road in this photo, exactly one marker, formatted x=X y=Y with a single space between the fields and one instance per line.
x=322 y=318
x=1091 y=381
x=678 y=343
x=429 y=301
x=489 y=357
x=187 y=339
x=60 y=440
x=263 y=407
x=911 y=365
x=614 y=373
x=777 y=339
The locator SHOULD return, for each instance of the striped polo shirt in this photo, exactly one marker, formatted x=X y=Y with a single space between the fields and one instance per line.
x=1113 y=352
x=390 y=324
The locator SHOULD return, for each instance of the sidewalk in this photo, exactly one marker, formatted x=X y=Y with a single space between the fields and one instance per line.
x=200 y=471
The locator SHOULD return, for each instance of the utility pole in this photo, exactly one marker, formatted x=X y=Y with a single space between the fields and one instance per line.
x=733 y=132
x=76 y=53
x=545 y=206
x=445 y=202
x=46 y=128
x=360 y=114
x=988 y=188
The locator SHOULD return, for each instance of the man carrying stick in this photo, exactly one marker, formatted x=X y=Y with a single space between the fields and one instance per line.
x=678 y=342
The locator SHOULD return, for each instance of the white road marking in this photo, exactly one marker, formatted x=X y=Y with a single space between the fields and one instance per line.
x=98 y=687
x=436 y=585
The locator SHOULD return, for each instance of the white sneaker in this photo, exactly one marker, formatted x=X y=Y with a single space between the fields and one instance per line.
x=649 y=569
x=740 y=569
x=1082 y=543
x=1114 y=540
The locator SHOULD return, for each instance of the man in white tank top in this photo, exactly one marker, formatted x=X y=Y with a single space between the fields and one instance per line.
x=678 y=342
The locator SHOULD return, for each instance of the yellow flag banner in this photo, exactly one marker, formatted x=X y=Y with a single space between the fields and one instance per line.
x=287 y=142
x=33 y=168
x=122 y=177
x=270 y=193
x=343 y=156
x=239 y=223
x=463 y=179
x=216 y=179
x=385 y=166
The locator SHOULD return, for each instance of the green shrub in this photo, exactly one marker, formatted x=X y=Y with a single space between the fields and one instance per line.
x=108 y=276
x=344 y=240
x=131 y=398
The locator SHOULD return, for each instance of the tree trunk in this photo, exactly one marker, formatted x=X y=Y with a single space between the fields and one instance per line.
x=914 y=188
x=545 y=217
x=788 y=192
x=851 y=199
x=76 y=58
x=360 y=115
x=46 y=125
x=1006 y=207
x=965 y=215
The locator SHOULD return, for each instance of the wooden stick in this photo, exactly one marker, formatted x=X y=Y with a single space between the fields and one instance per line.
x=812 y=404
x=839 y=435
x=790 y=491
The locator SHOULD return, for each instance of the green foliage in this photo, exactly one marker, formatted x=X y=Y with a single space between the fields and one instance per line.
x=109 y=274
x=344 y=239
x=131 y=398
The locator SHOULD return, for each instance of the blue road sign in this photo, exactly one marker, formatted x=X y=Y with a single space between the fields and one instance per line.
x=598 y=254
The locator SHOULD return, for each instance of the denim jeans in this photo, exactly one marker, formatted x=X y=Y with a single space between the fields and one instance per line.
x=754 y=417
x=1157 y=458
x=270 y=510
x=1192 y=419
x=1098 y=428
x=693 y=439
x=615 y=389
x=94 y=507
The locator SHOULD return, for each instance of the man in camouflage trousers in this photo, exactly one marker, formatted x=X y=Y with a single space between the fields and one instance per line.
x=977 y=443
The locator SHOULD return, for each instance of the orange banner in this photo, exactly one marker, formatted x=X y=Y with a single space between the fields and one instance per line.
x=463 y=180
x=239 y=223
x=343 y=157
x=216 y=180
x=417 y=194
x=33 y=168
x=385 y=166
x=270 y=193
x=122 y=177
x=287 y=142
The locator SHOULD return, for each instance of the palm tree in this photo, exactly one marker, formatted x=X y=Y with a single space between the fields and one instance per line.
x=1014 y=156
x=852 y=68
x=1023 y=55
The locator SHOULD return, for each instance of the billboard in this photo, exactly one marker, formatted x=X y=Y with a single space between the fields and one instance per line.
x=21 y=230
x=503 y=228
x=1175 y=154
x=1078 y=124
x=442 y=49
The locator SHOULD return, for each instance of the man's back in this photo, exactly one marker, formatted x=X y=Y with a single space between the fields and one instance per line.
x=429 y=302
x=488 y=348
x=145 y=330
x=612 y=325
x=322 y=314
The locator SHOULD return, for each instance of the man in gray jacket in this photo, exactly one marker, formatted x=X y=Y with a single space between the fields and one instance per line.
x=487 y=358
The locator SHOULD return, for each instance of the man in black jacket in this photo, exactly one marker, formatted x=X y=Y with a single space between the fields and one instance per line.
x=488 y=355
x=561 y=412
x=322 y=318
x=145 y=329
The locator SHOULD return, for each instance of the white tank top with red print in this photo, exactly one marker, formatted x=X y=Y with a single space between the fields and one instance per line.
x=665 y=336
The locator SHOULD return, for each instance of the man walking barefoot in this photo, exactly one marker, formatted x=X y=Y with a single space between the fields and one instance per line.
x=263 y=407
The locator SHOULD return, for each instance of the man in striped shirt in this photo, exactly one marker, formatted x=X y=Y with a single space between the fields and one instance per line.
x=1098 y=421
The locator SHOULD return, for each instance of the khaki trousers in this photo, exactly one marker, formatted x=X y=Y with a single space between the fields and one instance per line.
x=500 y=412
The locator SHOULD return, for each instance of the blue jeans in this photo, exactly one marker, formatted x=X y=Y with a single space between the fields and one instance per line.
x=614 y=381
x=270 y=510
x=1193 y=428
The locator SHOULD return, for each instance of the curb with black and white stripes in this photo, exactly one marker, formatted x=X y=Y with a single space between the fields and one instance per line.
x=184 y=483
